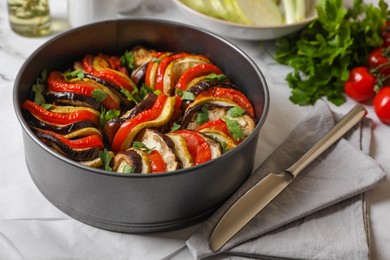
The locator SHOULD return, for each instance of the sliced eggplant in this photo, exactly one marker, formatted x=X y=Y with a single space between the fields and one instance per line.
x=72 y=99
x=74 y=154
x=145 y=104
x=129 y=161
x=153 y=139
x=203 y=85
x=60 y=129
x=125 y=103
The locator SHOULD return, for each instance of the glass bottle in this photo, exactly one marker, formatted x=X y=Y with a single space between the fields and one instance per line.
x=29 y=17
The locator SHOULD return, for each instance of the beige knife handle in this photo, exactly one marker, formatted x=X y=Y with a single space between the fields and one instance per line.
x=341 y=128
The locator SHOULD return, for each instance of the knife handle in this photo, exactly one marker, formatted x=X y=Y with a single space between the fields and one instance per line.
x=343 y=126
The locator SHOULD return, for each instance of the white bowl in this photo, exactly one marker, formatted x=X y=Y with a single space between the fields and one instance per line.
x=241 y=31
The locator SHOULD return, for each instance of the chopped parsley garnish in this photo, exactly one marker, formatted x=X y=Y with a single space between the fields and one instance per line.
x=78 y=73
x=99 y=95
x=105 y=115
x=203 y=116
x=236 y=111
x=127 y=60
x=234 y=128
x=106 y=158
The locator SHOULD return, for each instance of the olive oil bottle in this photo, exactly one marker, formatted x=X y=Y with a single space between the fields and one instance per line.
x=29 y=18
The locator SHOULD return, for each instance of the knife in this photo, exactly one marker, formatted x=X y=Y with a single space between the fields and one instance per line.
x=260 y=195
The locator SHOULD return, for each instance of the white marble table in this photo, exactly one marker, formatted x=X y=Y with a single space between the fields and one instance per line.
x=29 y=223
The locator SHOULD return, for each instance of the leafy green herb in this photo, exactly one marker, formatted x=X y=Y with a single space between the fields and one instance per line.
x=127 y=60
x=234 y=128
x=203 y=116
x=142 y=146
x=144 y=91
x=236 y=111
x=105 y=115
x=99 y=95
x=106 y=158
x=323 y=53
x=78 y=73
x=185 y=95
x=39 y=87
x=47 y=106
x=175 y=127
x=224 y=146
x=219 y=77
x=128 y=169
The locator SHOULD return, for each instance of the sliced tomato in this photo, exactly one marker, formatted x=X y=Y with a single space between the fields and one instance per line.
x=57 y=83
x=195 y=72
x=90 y=141
x=159 y=82
x=218 y=125
x=72 y=115
x=157 y=162
x=151 y=69
x=197 y=146
x=144 y=116
x=97 y=66
x=229 y=93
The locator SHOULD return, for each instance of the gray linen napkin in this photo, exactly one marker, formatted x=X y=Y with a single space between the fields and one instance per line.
x=322 y=214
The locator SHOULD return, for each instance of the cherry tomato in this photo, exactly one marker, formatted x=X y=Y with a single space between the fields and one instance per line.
x=377 y=59
x=382 y=104
x=360 y=84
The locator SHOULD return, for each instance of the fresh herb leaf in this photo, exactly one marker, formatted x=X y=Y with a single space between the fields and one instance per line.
x=203 y=116
x=127 y=60
x=218 y=77
x=144 y=91
x=128 y=169
x=175 y=127
x=142 y=146
x=78 y=73
x=236 y=111
x=39 y=87
x=106 y=158
x=99 y=95
x=47 y=106
x=185 y=95
x=105 y=115
x=234 y=128
x=323 y=53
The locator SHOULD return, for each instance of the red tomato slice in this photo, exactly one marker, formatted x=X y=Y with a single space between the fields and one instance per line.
x=219 y=125
x=234 y=95
x=144 y=116
x=157 y=162
x=111 y=75
x=194 y=72
x=60 y=118
x=159 y=83
x=91 y=141
x=57 y=83
x=197 y=146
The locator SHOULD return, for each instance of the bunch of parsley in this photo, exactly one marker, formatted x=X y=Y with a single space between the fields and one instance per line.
x=323 y=53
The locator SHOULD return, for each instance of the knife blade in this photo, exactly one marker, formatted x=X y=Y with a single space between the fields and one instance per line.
x=262 y=193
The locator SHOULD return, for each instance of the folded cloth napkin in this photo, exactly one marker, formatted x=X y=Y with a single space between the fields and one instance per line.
x=321 y=214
